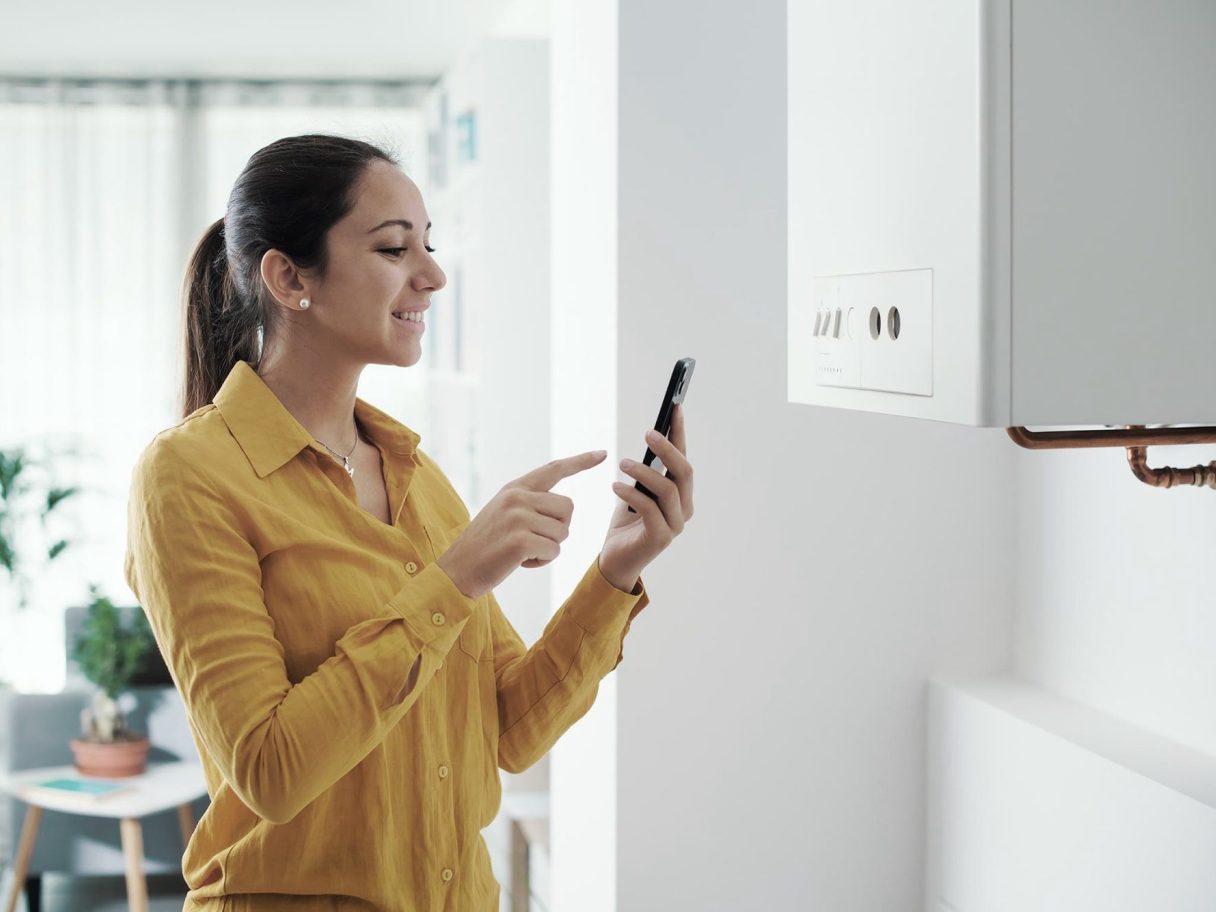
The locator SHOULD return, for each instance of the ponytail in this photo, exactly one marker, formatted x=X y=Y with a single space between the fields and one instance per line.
x=219 y=329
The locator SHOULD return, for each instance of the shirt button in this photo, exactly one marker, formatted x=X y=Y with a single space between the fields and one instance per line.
x=438 y=619
x=443 y=772
x=411 y=567
x=447 y=874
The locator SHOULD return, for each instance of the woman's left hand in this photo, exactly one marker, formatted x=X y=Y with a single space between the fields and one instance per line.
x=635 y=539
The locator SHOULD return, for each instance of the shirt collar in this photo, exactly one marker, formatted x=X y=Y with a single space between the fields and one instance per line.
x=270 y=435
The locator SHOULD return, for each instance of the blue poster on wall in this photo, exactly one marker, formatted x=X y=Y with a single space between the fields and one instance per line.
x=437 y=146
x=466 y=136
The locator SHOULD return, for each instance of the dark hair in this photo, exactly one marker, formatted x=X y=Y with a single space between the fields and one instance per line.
x=287 y=197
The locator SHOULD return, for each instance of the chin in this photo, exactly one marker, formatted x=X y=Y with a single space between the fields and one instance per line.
x=405 y=357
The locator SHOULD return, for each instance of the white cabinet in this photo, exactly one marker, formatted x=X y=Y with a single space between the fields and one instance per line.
x=1036 y=802
x=1027 y=186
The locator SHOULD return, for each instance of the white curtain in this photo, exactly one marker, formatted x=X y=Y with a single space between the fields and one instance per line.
x=105 y=187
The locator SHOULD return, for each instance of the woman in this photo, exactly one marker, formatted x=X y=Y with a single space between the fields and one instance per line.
x=319 y=590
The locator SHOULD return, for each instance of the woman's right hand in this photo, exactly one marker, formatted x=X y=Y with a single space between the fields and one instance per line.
x=523 y=525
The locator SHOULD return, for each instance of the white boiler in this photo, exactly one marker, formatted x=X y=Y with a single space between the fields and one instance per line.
x=1003 y=212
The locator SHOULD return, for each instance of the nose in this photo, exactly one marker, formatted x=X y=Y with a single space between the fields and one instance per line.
x=432 y=278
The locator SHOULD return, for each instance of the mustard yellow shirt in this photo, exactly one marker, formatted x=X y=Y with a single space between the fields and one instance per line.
x=289 y=617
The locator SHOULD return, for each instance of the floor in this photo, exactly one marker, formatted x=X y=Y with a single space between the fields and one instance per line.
x=167 y=892
x=65 y=893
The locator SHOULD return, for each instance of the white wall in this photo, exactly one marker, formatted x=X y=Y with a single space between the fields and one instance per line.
x=583 y=404
x=771 y=707
x=772 y=697
x=1110 y=716
x=507 y=285
x=1116 y=595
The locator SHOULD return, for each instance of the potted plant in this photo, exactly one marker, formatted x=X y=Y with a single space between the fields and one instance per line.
x=109 y=653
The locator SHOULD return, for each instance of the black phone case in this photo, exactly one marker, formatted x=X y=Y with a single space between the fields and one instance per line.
x=677 y=389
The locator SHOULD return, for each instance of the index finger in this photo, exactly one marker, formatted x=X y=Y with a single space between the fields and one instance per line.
x=677 y=428
x=542 y=478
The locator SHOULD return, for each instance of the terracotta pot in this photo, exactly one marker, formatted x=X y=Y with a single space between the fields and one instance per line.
x=111 y=760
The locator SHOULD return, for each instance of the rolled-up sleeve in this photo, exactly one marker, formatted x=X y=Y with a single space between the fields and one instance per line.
x=545 y=689
x=197 y=574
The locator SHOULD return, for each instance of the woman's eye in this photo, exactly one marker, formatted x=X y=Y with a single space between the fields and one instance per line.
x=430 y=249
x=398 y=250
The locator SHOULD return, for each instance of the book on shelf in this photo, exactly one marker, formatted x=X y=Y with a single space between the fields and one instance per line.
x=86 y=791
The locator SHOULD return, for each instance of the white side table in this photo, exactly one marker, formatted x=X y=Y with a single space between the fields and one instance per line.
x=160 y=787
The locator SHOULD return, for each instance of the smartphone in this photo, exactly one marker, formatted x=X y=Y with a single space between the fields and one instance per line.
x=677 y=389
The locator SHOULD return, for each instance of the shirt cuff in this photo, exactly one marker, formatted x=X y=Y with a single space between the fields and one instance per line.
x=601 y=608
x=433 y=607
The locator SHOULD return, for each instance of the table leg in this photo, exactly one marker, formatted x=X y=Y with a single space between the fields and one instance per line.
x=33 y=892
x=133 y=850
x=25 y=851
x=185 y=819
x=520 y=888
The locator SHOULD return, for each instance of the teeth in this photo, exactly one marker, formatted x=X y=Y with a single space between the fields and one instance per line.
x=413 y=315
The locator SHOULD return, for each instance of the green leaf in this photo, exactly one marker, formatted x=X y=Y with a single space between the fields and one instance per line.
x=11 y=464
x=22 y=500
x=55 y=495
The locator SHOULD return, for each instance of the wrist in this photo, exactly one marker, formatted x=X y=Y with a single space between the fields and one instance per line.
x=457 y=578
x=623 y=579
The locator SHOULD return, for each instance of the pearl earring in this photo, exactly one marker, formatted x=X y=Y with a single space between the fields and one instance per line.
x=304 y=303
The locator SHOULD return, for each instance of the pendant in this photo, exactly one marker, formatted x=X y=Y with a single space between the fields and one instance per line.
x=349 y=468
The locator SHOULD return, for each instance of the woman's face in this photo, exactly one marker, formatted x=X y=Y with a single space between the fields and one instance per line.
x=375 y=270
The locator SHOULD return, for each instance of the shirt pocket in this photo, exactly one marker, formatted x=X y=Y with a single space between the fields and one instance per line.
x=474 y=638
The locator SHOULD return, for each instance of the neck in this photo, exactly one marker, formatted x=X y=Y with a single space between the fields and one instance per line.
x=321 y=399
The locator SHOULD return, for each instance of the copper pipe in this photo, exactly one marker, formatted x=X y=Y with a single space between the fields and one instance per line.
x=1166 y=477
x=1136 y=439
x=1134 y=435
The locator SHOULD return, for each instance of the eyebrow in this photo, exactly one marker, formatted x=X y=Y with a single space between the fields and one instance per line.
x=407 y=225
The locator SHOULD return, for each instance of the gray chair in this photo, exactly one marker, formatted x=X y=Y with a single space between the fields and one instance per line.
x=35 y=730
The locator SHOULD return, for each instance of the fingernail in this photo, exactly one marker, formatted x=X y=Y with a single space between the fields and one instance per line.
x=652 y=435
x=600 y=453
x=626 y=463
